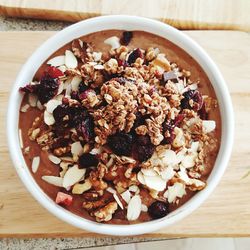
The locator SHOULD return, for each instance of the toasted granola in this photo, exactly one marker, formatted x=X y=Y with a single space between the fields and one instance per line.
x=128 y=130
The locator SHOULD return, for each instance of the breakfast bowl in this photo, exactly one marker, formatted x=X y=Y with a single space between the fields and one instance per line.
x=71 y=182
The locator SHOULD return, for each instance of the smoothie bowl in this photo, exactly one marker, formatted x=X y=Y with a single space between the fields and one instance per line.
x=120 y=125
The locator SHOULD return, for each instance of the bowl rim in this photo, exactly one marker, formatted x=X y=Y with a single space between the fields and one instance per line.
x=128 y=23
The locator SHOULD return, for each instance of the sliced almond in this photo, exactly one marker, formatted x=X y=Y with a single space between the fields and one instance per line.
x=54 y=159
x=140 y=178
x=39 y=105
x=72 y=176
x=97 y=56
x=126 y=196
x=169 y=157
x=52 y=104
x=25 y=108
x=118 y=201
x=70 y=60
x=168 y=173
x=76 y=148
x=113 y=41
x=60 y=88
x=194 y=146
x=68 y=91
x=57 y=61
x=133 y=188
x=189 y=160
x=63 y=68
x=54 y=180
x=99 y=67
x=149 y=172
x=35 y=164
x=32 y=100
x=48 y=118
x=134 y=208
x=177 y=190
x=208 y=126
x=20 y=138
x=155 y=182
x=76 y=80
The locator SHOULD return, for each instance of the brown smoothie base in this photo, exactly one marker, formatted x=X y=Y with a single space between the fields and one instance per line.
x=96 y=40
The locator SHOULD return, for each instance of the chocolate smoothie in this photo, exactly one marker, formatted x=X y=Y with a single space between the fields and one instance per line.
x=120 y=127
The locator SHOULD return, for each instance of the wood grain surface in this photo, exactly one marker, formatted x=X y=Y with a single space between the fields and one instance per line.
x=225 y=213
x=192 y=14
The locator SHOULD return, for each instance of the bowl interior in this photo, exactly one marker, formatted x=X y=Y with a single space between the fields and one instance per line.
x=124 y=23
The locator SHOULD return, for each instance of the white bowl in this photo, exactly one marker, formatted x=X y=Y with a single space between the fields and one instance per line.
x=126 y=23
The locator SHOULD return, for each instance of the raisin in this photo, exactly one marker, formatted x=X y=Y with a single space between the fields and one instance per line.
x=126 y=37
x=82 y=87
x=88 y=160
x=121 y=143
x=54 y=72
x=143 y=149
x=134 y=55
x=158 y=209
x=60 y=113
x=86 y=128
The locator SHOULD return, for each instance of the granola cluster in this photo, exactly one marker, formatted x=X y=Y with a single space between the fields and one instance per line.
x=129 y=132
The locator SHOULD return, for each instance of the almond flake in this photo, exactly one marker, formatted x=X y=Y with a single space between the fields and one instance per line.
x=194 y=146
x=60 y=88
x=111 y=190
x=140 y=178
x=168 y=173
x=208 y=126
x=54 y=159
x=63 y=68
x=99 y=67
x=76 y=148
x=97 y=56
x=39 y=105
x=35 y=164
x=52 y=104
x=169 y=157
x=72 y=176
x=20 y=138
x=189 y=160
x=54 y=180
x=70 y=60
x=76 y=80
x=155 y=182
x=25 y=108
x=148 y=172
x=96 y=151
x=113 y=41
x=32 y=100
x=126 y=196
x=133 y=188
x=144 y=208
x=68 y=91
x=118 y=201
x=57 y=61
x=177 y=190
x=48 y=118
x=134 y=208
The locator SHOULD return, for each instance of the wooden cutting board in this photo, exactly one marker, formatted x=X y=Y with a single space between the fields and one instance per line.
x=192 y=14
x=225 y=213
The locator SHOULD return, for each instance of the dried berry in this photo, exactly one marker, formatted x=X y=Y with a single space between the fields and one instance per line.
x=86 y=128
x=121 y=143
x=61 y=115
x=54 y=72
x=158 y=209
x=122 y=63
x=134 y=55
x=143 y=149
x=88 y=160
x=126 y=37
x=195 y=96
x=82 y=87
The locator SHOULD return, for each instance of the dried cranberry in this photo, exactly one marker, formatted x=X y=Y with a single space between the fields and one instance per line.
x=122 y=63
x=144 y=148
x=59 y=114
x=126 y=37
x=192 y=95
x=134 y=55
x=86 y=128
x=54 y=72
x=85 y=93
x=121 y=143
x=60 y=142
x=158 y=209
x=88 y=160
